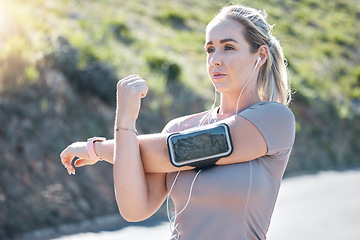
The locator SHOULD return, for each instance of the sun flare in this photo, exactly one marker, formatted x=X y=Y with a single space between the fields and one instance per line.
x=4 y=18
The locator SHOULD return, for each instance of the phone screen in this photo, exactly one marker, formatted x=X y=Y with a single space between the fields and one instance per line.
x=200 y=144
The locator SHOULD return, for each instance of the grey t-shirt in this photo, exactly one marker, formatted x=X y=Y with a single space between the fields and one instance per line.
x=235 y=201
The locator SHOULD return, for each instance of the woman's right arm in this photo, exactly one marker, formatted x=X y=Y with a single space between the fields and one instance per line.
x=153 y=150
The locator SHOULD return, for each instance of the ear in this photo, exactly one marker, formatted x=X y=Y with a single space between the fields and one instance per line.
x=263 y=53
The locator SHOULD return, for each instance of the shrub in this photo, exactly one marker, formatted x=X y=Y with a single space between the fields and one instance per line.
x=121 y=31
x=162 y=65
x=98 y=78
x=62 y=56
x=174 y=18
x=31 y=74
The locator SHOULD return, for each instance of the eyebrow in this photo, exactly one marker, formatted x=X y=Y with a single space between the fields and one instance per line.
x=222 y=41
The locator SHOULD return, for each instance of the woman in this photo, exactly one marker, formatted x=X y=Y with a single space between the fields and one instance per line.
x=234 y=199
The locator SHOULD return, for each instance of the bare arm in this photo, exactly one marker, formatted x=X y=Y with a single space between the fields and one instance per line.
x=138 y=194
x=247 y=140
x=141 y=163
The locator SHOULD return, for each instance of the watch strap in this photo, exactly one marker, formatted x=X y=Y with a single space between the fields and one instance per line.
x=90 y=147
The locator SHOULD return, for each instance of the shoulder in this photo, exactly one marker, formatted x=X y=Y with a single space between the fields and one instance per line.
x=269 y=111
x=185 y=122
x=275 y=121
x=273 y=106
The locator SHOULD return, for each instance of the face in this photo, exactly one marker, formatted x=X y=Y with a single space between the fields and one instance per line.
x=229 y=60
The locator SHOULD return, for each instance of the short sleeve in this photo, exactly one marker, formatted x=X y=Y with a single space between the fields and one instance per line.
x=171 y=127
x=182 y=123
x=276 y=123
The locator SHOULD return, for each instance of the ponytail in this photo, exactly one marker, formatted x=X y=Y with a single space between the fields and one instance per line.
x=273 y=77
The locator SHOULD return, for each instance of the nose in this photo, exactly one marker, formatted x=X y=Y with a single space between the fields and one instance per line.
x=215 y=59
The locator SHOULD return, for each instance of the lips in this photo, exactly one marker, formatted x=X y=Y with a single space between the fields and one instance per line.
x=218 y=75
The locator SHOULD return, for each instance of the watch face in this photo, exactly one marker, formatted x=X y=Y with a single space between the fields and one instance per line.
x=200 y=145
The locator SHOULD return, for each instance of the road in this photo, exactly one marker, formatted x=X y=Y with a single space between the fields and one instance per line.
x=325 y=205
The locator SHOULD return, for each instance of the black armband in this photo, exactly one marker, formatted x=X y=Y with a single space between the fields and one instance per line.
x=200 y=147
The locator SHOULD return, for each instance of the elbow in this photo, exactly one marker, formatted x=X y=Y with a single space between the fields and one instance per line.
x=131 y=213
x=132 y=216
x=133 y=219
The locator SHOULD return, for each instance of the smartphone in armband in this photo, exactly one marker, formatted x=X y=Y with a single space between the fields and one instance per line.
x=200 y=147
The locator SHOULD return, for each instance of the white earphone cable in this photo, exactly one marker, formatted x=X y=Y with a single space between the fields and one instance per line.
x=173 y=219
x=209 y=114
x=237 y=104
x=207 y=117
x=167 y=201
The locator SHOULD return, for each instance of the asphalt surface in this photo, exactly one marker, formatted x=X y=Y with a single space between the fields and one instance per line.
x=325 y=205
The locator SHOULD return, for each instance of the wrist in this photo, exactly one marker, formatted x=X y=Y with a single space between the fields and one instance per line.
x=124 y=120
x=118 y=129
x=104 y=150
x=125 y=123
x=90 y=147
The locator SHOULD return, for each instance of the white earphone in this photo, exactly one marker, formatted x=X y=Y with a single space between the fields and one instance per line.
x=257 y=63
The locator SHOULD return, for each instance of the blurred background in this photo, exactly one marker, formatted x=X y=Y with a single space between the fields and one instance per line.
x=60 y=61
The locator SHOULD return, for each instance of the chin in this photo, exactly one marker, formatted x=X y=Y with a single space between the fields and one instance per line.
x=223 y=88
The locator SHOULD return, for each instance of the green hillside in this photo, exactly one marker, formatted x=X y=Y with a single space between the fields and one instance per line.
x=162 y=38
x=59 y=59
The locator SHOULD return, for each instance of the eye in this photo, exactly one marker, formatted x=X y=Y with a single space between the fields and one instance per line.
x=210 y=49
x=229 y=47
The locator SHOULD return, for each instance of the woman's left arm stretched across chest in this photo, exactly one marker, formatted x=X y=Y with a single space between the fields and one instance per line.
x=247 y=140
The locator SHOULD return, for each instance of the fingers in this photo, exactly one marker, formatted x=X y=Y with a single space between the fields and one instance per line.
x=83 y=162
x=80 y=162
x=134 y=84
x=66 y=160
x=76 y=150
x=70 y=153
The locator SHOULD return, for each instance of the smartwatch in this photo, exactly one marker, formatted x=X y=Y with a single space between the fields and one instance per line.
x=90 y=147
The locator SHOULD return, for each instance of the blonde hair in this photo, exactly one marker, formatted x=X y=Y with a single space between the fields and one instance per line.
x=272 y=82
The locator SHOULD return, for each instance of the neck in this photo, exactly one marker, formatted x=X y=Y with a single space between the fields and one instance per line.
x=228 y=103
